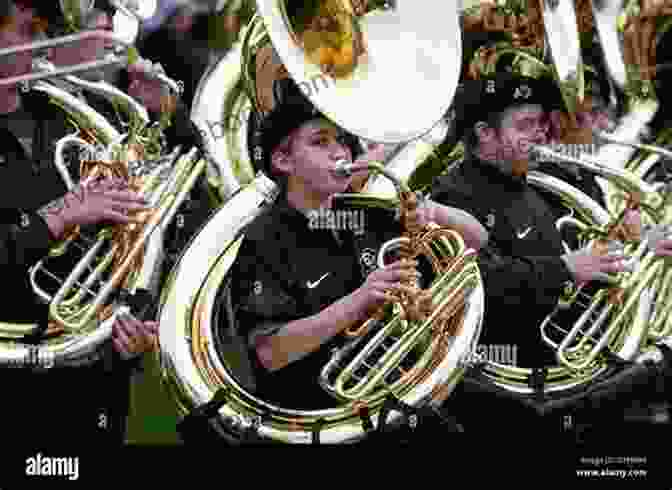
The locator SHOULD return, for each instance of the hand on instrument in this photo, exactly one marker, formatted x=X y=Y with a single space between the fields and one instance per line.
x=131 y=337
x=382 y=283
x=586 y=266
x=148 y=90
x=106 y=200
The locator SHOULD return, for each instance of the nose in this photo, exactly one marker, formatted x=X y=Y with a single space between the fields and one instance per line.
x=541 y=130
x=340 y=152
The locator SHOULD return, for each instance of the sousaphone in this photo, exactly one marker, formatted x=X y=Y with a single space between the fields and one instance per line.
x=417 y=362
x=600 y=334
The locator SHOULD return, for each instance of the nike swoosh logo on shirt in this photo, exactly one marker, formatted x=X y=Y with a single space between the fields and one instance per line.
x=524 y=233
x=312 y=285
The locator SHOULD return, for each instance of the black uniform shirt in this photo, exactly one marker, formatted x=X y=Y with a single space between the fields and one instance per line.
x=25 y=186
x=61 y=403
x=521 y=267
x=286 y=271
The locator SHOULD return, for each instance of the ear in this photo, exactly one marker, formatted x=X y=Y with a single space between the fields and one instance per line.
x=281 y=162
x=485 y=133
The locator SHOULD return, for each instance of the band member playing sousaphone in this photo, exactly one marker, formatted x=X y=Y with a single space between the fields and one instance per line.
x=139 y=80
x=88 y=401
x=524 y=265
x=296 y=285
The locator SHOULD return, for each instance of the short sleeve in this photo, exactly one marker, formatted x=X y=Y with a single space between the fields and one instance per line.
x=261 y=303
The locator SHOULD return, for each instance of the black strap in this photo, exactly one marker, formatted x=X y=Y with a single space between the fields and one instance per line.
x=393 y=403
x=317 y=427
x=537 y=381
x=365 y=416
x=251 y=434
x=203 y=412
x=37 y=335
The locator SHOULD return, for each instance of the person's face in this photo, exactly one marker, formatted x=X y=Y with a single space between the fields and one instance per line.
x=314 y=150
x=521 y=127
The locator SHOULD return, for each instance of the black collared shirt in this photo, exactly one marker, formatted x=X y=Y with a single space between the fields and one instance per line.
x=521 y=267
x=25 y=186
x=286 y=271
x=84 y=402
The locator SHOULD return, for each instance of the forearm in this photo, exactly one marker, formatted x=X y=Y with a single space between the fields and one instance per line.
x=474 y=233
x=301 y=337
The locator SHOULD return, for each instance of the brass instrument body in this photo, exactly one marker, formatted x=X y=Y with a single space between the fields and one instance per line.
x=84 y=116
x=161 y=187
x=193 y=366
x=627 y=336
x=622 y=185
x=195 y=370
x=220 y=111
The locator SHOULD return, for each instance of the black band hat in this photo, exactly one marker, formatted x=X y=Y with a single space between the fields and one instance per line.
x=292 y=109
x=507 y=77
x=478 y=100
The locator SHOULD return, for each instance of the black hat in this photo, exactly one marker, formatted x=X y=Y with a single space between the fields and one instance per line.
x=477 y=100
x=292 y=109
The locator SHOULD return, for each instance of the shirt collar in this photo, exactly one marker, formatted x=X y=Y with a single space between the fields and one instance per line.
x=492 y=172
x=290 y=214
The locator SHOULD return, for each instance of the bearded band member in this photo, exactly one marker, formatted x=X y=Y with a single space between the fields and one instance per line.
x=86 y=402
x=524 y=266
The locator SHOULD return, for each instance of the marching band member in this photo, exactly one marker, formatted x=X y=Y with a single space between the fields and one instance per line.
x=296 y=287
x=148 y=91
x=524 y=266
x=88 y=402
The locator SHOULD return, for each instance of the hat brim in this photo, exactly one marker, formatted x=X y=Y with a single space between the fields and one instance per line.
x=292 y=110
x=478 y=100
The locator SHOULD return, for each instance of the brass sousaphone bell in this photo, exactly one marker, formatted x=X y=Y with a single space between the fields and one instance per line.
x=418 y=363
